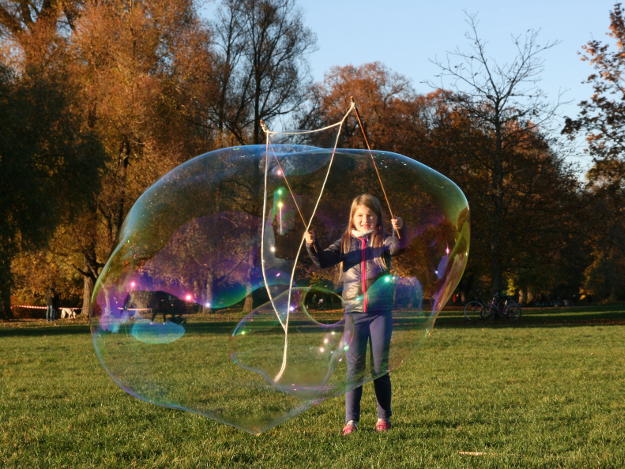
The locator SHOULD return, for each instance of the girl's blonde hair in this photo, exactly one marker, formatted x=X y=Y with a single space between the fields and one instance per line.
x=377 y=237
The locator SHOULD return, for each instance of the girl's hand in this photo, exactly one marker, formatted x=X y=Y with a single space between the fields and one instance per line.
x=397 y=223
x=310 y=237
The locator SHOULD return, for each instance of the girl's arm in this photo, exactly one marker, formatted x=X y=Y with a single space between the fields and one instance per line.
x=328 y=257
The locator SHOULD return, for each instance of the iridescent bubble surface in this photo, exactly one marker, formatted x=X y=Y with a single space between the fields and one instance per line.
x=211 y=304
x=311 y=348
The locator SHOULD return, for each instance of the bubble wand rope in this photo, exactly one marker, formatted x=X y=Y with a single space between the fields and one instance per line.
x=282 y=172
x=285 y=325
x=375 y=166
x=297 y=132
x=268 y=145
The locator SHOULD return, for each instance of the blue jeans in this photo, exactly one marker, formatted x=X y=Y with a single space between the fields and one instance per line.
x=50 y=313
x=360 y=329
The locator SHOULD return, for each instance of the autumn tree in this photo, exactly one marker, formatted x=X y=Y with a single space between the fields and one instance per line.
x=140 y=77
x=384 y=98
x=143 y=72
x=605 y=274
x=601 y=120
x=602 y=117
x=45 y=144
x=152 y=84
x=42 y=149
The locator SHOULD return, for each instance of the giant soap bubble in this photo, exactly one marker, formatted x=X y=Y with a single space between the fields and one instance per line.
x=223 y=234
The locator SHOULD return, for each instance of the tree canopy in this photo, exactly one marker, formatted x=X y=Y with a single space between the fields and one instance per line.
x=100 y=99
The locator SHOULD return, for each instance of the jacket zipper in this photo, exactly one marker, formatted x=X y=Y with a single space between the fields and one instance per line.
x=363 y=272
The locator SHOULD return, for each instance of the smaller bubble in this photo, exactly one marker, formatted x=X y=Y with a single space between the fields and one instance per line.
x=303 y=362
x=150 y=332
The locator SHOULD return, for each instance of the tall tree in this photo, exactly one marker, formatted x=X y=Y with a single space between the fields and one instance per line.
x=144 y=72
x=546 y=250
x=498 y=98
x=140 y=77
x=42 y=149
x=261 y=47
x=604 y=276
x=602 y=121
x=49 y=154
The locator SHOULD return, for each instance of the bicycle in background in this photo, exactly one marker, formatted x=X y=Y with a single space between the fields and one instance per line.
x=500 y=307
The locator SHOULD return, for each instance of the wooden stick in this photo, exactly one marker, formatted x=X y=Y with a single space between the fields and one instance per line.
x=375 y=166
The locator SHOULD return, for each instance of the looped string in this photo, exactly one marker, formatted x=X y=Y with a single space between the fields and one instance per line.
x=284 y=322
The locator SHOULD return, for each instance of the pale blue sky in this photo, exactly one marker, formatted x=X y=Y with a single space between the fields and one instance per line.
x=405 y=35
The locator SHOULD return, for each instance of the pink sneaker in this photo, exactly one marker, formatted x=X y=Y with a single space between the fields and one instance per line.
x=382 y=426
x=350 y=427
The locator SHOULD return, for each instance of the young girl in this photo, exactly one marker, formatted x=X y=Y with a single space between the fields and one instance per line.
x=365 y=253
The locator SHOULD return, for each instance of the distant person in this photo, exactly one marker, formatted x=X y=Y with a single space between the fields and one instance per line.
x=52 y=301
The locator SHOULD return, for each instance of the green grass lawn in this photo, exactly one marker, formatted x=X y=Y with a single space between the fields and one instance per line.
x=546 y=391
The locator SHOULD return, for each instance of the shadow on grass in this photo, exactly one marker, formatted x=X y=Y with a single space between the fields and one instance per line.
x=16 y=329
x=611 y=315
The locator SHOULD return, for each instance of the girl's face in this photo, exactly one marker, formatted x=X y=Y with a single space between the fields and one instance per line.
x=364 y=218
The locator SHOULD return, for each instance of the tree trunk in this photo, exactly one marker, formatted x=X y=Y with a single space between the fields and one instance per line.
x=255 y=208
x=5 y=286
x=495 y=253
x=90 y=275
x=248 y=304
x=87 y=291
x=497 y=222
x=207 y=307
